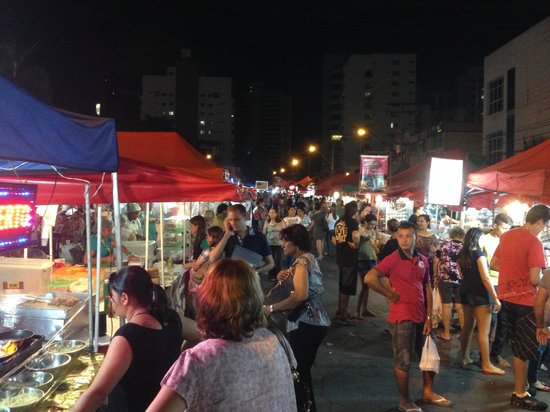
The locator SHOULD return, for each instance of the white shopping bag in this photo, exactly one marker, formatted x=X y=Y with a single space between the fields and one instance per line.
x=436 y=308
x=429 y=360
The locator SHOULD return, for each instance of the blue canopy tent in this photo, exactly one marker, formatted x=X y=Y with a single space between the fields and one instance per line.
x=36 y=138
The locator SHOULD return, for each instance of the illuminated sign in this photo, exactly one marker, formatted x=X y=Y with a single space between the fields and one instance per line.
x=17 y=215
x=446 y=182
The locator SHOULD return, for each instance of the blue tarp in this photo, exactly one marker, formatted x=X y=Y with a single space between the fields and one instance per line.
x=34 y=136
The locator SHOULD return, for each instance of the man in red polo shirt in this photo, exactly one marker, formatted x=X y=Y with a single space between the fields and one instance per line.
x=409 y=277
x=519 y=258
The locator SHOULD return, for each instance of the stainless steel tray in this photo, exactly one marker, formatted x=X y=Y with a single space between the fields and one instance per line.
x=39 y=306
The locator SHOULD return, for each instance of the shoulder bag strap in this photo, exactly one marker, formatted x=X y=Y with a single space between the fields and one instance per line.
x=284 y=343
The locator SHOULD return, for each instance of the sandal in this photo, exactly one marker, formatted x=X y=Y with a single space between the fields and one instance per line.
x=441 y=401
x=413 y=409
x=440 y=336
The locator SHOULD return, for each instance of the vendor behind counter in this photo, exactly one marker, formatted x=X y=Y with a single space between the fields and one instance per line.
x=108 y=245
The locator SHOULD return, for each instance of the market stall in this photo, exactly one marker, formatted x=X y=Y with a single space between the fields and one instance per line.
x=527 y=174
x=340 y=182
x=35 y=138
x=167 y=149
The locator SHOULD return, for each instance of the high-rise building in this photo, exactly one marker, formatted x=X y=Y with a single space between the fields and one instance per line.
x=216 y=118
x=374 y=92
x=262 y=130
x=516 y=94
x=469 y=93
x=158 y=96
x=200 y=107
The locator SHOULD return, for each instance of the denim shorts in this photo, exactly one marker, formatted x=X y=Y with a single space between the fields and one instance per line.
x=449 y=292
x=407 y=338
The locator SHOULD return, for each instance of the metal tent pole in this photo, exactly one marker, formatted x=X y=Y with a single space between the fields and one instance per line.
x=98 y=270
x=89 y=262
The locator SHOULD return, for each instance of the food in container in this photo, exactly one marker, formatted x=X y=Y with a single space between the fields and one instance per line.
x=20 y=399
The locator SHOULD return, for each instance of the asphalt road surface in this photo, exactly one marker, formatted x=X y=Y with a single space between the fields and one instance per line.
x=354 y=366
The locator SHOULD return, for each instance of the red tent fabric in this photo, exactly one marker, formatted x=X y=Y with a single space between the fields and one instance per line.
x=305 y=181
x=527 y=174
x=413 y=182
x=336 y=183
x=166 y=149
x=138 y=182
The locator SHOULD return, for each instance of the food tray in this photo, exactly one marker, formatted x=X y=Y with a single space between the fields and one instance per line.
x=27 y=348
x=42 y=310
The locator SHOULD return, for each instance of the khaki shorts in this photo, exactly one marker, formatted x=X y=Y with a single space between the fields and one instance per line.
x=407 y=338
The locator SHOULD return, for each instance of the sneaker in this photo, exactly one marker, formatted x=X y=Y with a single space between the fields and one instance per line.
x=540 y=386
x=528 y=402
x=500 y=361
x=543 y=367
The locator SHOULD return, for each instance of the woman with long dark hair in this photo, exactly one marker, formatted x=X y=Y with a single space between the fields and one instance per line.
x=141 y=351
x=478 y=297
x=272 y=232
x=198 y=235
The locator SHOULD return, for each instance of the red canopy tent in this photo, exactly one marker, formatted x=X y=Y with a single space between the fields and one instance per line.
x=305 y=181
x=338 y=183
x=166 y=149
x=137 y=181
x=413 y=182
x=526 y=174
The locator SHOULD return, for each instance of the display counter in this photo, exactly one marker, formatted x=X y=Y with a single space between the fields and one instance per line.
x=43 y=344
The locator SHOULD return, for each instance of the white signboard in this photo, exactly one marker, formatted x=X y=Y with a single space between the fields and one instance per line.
x=262 y=184
x=446 y=182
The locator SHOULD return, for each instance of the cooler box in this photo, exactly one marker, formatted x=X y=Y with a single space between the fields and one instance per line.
x=18 y=275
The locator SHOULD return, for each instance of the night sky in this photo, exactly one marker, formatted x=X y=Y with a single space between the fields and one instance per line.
x=82 y=43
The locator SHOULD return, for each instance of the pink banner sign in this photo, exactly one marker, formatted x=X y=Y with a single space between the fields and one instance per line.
x=374 y=165
x=373 y=171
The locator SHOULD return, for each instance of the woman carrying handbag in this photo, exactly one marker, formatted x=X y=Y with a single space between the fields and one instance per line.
x=308 y=321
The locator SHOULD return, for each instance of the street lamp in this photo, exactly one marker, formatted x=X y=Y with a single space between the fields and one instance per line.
x=282 y=170
x=274 y=172
x=294 y=162
x=209 y=156
x=361 y=133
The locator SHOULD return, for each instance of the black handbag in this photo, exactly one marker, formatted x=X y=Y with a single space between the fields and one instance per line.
x=281 y=291
x=301 y=389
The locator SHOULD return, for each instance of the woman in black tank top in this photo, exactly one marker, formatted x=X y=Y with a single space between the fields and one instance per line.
x=141 y=351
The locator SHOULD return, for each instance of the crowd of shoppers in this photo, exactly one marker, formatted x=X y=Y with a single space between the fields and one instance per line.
x=489 y=280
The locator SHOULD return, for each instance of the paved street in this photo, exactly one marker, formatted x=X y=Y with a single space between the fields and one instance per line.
x=354 y=368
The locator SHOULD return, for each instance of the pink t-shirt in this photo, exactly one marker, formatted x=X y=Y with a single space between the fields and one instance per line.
x=517 y=252
x=222 y=375
x=407 y=277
